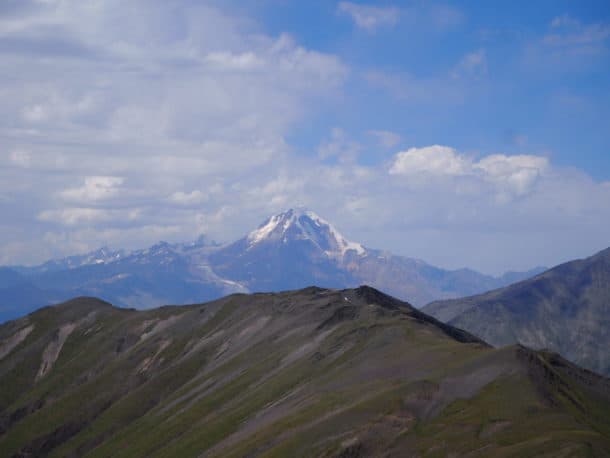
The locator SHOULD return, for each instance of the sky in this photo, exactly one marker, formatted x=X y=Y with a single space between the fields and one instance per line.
x=463 y=133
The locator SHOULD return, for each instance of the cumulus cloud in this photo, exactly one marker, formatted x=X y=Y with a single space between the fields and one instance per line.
x=449 y=208
x=113 y=116
x=510 y=175
x=514 y=173
x=95 y=188
x=124 y=126
x=369 y=17
x=433 y=160
x=188 y=198
x=167 y=74
x=229 y=61
x=74 y=216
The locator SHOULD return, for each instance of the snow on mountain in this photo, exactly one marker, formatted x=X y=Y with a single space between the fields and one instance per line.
x=302 y=224
x=102 y=255
x=290 y=250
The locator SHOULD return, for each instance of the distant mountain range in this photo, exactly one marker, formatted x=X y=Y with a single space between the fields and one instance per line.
x=290 y=250
x=328 y=373
x=566 y=309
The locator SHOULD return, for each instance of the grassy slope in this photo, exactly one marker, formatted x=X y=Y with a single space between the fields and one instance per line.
x=306 y=373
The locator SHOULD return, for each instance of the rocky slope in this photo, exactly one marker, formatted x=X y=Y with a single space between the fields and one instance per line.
x=314 y=372
x=566 y=309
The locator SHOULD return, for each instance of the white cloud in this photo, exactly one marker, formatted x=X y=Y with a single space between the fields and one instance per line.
x=113 y=116
x=370 y=17
x=468 y=211
x=188 y=198
x=339 y=146
x=123 y=126
x=517 y=173
x=94 y=188
x=35 y=113
x=510 y=175
x=229 y=61
x=74 y=216
x=433 y=160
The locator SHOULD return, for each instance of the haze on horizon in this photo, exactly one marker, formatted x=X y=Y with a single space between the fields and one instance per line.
x=464 y=135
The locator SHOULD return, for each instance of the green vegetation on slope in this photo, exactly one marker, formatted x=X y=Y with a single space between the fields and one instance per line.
x=306 y=373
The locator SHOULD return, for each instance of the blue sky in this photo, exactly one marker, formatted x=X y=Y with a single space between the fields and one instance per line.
x=524 y=96
x=464 y=133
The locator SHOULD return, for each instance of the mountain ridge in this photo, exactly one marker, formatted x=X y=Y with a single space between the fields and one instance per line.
x=313 y=372
x=564 y=309
x=288 y=250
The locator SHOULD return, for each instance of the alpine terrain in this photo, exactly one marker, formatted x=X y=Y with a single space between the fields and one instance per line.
x=566 y=309
x=313 y=372
x=290 y=250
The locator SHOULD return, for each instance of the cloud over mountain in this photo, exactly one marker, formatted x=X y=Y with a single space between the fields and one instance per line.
x=122 y=126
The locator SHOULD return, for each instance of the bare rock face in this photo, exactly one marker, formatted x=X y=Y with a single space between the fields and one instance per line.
x=51 y=352
x=6 y=346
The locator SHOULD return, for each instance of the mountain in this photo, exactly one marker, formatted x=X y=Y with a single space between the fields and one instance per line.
x=10 y=277
x=18 y=295
x=314 y=372
x=298 y=248
x=508 y=278
x=290 y=250
x=161 y=274
x=100 y=256
x=565 y=309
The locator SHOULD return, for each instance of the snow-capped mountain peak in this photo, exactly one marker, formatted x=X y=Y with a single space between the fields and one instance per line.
x=303 y=224
x=102 y=255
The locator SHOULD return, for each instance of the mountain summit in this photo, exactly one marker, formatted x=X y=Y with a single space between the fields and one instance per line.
x=290 y=250
x=303 y=225
x=297 y=248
